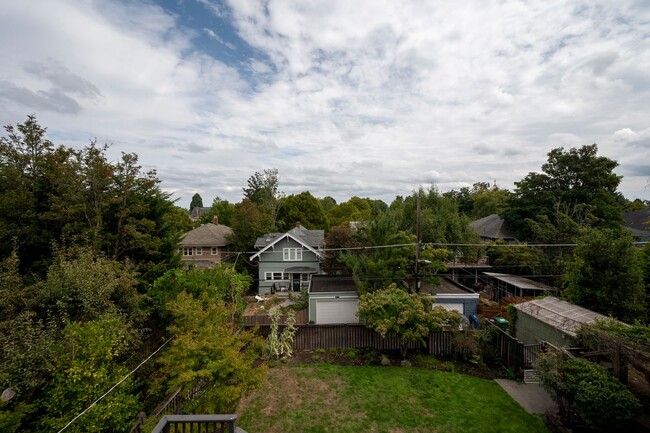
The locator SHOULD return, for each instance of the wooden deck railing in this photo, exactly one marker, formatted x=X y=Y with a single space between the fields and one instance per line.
x=197 y=424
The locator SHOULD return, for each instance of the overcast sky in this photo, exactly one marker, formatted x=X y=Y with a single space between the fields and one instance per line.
x=368 y=98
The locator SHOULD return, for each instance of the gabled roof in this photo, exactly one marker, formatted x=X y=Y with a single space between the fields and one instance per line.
x=310 y=239
x=313 y=238
x=638 y=221
x=211 y=235
x=493 y=227
x=559 y=314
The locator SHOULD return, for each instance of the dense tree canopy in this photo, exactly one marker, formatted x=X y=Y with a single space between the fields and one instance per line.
x=197 y=201
x=58 y=194
x=220 y=208
x=576 y=182
x=303 y=208
x=607 y=275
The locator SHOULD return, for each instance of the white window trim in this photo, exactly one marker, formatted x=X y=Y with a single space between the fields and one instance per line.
x=198 y=251
x=214 y=251
x=292 y=254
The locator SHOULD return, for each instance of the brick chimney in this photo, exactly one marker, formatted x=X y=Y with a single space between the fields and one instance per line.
x=215 y=220
x=298 y=224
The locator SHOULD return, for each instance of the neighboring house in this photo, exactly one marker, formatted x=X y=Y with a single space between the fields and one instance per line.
x=288 y=260
x=333 y=300
x=493 y=228
x=453 y=297
x=639 y=223
x=552 y=320
x=206 y=245
x=197 y=211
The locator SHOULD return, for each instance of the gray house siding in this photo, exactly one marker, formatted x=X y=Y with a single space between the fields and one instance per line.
x=273 y=261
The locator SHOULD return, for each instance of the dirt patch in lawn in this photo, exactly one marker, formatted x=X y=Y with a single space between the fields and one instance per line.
x=288 y=387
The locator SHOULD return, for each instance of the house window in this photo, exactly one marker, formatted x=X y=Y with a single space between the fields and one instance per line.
x=292 y=254
x=273 y=275
x=199 y=251
x=214 y=251
x=188 y=251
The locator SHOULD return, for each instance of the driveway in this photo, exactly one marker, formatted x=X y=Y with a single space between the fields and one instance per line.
x=532 y=397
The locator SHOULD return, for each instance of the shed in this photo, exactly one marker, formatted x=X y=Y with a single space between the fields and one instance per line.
x=333 y=300
x=453 y=296
x=552 y=320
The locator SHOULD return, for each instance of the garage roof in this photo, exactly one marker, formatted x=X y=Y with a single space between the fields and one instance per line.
x=325 y=283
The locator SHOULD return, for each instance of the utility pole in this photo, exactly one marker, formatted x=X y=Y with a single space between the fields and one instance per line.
x=417 y=248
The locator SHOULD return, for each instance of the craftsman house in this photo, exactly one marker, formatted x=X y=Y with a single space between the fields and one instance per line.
x=288 y=260
x=206 y=245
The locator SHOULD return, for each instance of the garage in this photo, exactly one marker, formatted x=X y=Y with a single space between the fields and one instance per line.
x=332 y=300
x=450 y=306
x=336 y=311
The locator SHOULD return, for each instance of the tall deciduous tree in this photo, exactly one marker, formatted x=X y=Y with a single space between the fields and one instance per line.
x=576 y=182
x=249 y=222
x=304 y=208
x=220 y=208
x=606 y=275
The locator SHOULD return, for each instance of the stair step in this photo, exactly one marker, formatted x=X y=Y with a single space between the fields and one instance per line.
x=530 y=376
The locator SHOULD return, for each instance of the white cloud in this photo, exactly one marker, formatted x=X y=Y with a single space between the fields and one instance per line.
x=346 y=98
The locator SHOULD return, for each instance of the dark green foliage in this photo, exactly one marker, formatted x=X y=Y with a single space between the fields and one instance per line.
x=197 y=201
x=575 y=182
x=336 y=241
x=249 y=221
x=517 y=259
x=222 y=209
x=606 y=275
x=303 y=208
x=221 y=283
x=440 y=222
x=78 y=197
x=377 y=268
x=327 y=203
x=578 y=385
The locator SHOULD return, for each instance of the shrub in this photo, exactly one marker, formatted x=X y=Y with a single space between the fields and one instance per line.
x=585 y=388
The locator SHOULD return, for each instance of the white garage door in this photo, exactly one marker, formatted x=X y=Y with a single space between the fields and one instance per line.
x=451 y=306
x=337 y=311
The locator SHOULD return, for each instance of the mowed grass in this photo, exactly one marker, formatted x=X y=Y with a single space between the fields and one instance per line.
x=331 y=398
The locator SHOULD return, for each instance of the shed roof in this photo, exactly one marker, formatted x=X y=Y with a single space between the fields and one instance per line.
x=559 y=314
x=212 y=235
x=493 y=227
x=326 y=283
x=446 y=287
x=520 y=282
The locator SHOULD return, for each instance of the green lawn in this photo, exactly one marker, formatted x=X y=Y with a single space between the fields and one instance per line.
x=331 y=398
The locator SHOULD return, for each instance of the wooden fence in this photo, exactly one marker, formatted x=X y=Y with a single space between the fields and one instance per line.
x=357 y=336
x=514 y=353
x=302 y=317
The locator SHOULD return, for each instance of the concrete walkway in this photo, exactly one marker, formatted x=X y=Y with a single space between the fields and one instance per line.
x=532 y=397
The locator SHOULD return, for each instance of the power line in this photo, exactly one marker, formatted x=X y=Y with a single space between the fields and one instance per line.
x=116 y=385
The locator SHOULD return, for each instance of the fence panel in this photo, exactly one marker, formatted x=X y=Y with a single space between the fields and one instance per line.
x=358 y=336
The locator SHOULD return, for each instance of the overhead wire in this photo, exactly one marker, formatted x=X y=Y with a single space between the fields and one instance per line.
x=116 y=385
